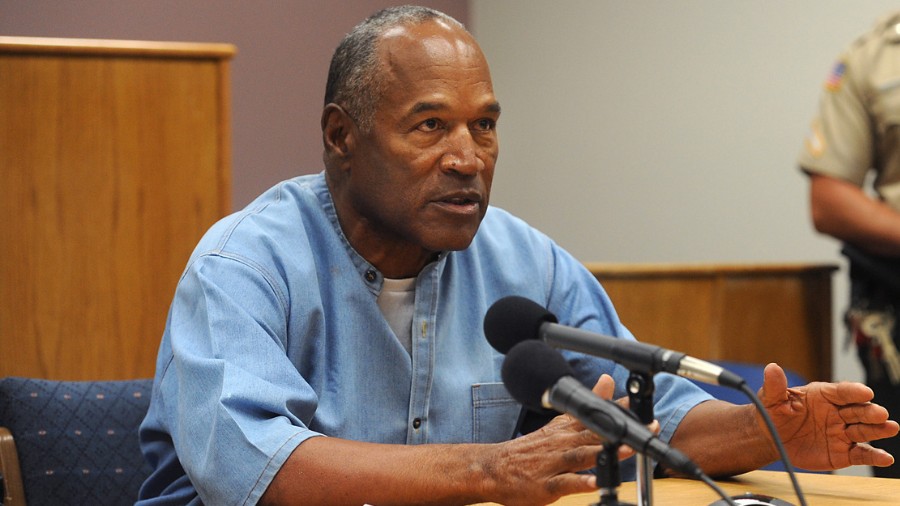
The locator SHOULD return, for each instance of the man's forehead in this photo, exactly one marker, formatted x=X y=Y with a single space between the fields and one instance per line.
x=430 y=42
x=424 y=59
x=418 y=29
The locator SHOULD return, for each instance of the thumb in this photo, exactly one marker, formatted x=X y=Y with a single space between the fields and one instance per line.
x=774 y=389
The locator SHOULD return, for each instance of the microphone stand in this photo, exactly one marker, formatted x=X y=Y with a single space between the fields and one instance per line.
x=640 y=397
x=608 y=479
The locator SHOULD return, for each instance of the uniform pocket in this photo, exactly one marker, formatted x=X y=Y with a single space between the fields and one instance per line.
x=886 y=104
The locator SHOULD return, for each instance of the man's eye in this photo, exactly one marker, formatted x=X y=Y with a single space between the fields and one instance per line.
x=429 y=125
x=485 y=125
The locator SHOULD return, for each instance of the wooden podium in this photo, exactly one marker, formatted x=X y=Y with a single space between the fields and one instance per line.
x=114 y=159
x=748 y=313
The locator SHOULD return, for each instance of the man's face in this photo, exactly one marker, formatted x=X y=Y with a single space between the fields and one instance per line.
x=420 y=179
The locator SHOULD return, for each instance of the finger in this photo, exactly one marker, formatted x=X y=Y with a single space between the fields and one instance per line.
x=581 y=457
x=571 y=483
x=863 y=413
x=568 y=427
x=625 y=452
x=588 y=437
x=845 y=392
x=865 y=455
x=867 y=432
x=605 y=387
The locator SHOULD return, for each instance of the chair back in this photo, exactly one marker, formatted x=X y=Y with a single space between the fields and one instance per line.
x=77 y=441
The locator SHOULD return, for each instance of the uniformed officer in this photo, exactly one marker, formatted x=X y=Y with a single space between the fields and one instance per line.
x=852 y=157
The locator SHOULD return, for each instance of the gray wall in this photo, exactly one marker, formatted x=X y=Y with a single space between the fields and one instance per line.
x=278 y=75
x=658 y=131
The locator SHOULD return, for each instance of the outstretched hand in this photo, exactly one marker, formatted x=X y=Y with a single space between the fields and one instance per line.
x=825 y=426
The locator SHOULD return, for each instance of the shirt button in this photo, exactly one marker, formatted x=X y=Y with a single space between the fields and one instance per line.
x=417 y=423
x=370 y=275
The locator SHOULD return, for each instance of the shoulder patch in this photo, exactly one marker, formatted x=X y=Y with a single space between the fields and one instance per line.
x=835 y=77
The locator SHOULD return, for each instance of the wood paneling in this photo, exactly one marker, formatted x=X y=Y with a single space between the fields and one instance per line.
x=114 y=159
x=748 y=313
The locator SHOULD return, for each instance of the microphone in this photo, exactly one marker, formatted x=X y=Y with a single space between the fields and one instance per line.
x=538 y=376
x=513 y=319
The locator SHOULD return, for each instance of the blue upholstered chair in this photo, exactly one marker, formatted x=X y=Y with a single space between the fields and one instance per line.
x=75 y=442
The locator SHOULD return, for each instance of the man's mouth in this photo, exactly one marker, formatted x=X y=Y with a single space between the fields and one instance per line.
x=461 y=203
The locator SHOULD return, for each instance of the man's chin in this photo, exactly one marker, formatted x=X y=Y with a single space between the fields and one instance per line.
x=454 y=240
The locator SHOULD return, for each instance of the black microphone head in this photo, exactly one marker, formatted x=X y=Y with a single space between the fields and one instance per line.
x=530 y=369
x=513 y=319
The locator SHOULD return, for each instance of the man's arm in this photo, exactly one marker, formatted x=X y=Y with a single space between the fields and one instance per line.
x=537 y=468
x=326 y=470
x=842 y=210
x=823 y=426
x=724 y=439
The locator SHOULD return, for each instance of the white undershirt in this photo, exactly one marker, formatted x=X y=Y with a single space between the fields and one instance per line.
x=397 y=301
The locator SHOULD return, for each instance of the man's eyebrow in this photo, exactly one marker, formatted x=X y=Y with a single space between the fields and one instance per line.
x=421 y=107
x=425 y=107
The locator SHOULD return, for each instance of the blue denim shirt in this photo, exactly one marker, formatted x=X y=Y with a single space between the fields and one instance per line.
x=274 y=336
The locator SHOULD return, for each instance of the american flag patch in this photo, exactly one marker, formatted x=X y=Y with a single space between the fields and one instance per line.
x=833 y=83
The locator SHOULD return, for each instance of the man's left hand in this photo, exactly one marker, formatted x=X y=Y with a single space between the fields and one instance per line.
x=826 y=426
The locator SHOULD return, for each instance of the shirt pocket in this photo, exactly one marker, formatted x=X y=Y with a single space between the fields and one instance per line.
x=887 y=148
x=494 y=413
x=886 y=105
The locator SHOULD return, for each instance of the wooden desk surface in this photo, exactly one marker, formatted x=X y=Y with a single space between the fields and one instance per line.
x=819 y=489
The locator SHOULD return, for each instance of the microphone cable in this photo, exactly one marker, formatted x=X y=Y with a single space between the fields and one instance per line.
x=777 y=439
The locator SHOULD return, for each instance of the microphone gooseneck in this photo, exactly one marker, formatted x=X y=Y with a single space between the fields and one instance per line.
x=513 y=319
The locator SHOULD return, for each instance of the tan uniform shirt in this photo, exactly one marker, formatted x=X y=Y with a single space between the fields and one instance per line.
x=858 y=125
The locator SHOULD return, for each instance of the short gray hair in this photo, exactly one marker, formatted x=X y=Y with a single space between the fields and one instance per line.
x=354 y=79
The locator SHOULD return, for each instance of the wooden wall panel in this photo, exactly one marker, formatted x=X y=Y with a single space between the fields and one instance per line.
x=748 y=313
x=655 y=310
x=114 y=158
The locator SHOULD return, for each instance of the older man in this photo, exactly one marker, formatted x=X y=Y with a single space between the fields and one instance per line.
x=325 y=344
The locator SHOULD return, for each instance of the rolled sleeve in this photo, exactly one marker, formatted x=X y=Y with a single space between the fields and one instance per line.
x=240 y=407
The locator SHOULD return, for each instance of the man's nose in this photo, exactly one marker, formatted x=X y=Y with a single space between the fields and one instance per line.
x=461 y=155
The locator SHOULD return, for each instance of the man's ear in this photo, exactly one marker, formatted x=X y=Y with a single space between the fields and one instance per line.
x=338 y=131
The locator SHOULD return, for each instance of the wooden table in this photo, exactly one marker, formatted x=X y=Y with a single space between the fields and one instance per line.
x=819 y=489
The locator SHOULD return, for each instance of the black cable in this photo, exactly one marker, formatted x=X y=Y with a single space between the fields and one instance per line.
x=777 y=439
x=715 y=486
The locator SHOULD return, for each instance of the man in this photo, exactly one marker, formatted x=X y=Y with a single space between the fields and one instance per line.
x=325 y=345
x=857 y=134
